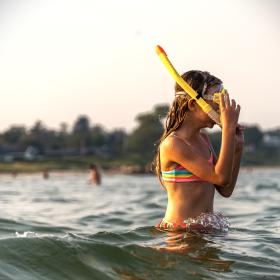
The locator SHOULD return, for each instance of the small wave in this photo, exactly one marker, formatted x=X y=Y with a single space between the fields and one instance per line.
x=267 y=186
x=209 y=222
x=26 y=234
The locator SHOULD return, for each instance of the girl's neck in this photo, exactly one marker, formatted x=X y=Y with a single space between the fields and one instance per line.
x=189 y=130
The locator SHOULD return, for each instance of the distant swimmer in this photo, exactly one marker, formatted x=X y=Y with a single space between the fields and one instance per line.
x=46 y=174
x=95 y=177
x=186 y=163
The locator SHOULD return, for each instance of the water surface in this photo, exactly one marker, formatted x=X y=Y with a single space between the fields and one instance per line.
x=65 y=228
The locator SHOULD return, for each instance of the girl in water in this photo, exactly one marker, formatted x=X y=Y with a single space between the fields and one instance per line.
x=186 y=163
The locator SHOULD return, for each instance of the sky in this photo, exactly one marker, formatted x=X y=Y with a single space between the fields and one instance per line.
x=63 y=58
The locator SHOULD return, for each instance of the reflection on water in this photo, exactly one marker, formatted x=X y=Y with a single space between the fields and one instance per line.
x=197 y=248
x=62 y=228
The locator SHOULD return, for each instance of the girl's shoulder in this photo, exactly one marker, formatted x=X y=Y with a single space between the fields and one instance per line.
x=167 y=142
x=172 y=142
x=171 y=148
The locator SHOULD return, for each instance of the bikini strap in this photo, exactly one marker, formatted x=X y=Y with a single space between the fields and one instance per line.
x=175 y=135
x=212 y=152
x=206 y=142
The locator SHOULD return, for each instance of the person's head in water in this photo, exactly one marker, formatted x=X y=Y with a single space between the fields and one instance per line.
x=46 y=174
x=204 y=84
x=95 y=175
x=92 y=167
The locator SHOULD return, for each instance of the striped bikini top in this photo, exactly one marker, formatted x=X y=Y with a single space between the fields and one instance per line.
x=180 y=174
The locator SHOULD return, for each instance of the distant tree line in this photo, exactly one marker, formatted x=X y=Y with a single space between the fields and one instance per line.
x=261 y=147
x=85 y=139
x=138 y=146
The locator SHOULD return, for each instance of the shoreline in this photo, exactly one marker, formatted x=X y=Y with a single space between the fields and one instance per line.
x=15 y=169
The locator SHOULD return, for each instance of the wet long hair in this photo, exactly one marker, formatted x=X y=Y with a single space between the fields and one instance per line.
x=199 y=81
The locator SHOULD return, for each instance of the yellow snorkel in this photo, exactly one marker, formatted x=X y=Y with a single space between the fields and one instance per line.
x=186 y=87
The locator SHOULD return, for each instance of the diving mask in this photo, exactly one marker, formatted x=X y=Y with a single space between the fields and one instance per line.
x=215 y=97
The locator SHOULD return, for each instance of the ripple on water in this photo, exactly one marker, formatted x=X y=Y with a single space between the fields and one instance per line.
x=64 y=229
x=267 y=187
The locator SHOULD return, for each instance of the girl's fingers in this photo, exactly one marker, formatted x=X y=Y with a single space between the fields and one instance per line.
x=227 y=100
x=233 y=103
x=222 y=101
x=238 y=110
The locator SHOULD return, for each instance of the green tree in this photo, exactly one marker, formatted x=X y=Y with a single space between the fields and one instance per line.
x=81 y=135
x=98 y=136
x=14 y=135
x=37 y=137
x=63 y=137
x=144 y=138
x=115 y=142
x=253 y=136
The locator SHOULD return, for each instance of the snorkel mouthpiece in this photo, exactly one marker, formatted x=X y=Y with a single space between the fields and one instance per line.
x=186 y=87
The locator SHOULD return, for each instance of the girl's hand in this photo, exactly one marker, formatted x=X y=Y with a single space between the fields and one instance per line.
x=229 y=111
x=239 y=137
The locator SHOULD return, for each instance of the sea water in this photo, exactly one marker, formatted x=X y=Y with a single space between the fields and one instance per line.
x=66 y=228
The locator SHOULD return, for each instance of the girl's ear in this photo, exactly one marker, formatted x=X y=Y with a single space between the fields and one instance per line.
x=192 y=104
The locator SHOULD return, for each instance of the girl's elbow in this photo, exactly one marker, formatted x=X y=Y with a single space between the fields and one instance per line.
x=227 y=195
x=223 y=191
x=223 y=181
